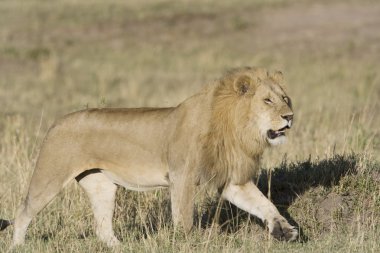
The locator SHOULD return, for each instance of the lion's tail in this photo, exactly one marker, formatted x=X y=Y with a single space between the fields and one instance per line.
x=5 y=223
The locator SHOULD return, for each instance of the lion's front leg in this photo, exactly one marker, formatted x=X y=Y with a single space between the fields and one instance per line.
x=249 y=198
x=182 y=199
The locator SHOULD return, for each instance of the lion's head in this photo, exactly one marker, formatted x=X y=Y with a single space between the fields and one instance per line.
x=270 y=108
x=250 y=110
x=258 y=104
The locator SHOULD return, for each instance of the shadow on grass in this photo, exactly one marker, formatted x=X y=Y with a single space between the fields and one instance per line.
x=288 y=182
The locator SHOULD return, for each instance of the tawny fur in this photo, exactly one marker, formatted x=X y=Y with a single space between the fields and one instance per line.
x=215 y=137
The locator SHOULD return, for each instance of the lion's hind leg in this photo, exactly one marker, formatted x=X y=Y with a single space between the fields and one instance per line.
x=101 y=192
x=42 y=190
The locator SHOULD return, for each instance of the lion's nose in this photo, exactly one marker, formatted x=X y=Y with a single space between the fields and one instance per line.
x=288 y=117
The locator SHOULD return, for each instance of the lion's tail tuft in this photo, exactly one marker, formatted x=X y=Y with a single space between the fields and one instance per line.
x=5 y=223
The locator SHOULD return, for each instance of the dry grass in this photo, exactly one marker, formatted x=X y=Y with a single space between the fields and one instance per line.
x=63 y=56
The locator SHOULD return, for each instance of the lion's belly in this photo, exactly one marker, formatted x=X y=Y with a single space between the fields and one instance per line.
x=139 y=179
x=130 y=163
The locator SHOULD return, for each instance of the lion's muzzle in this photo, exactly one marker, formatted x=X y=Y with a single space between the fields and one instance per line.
x=273 y=134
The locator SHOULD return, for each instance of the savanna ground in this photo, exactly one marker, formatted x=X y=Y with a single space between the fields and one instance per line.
x=61 y=56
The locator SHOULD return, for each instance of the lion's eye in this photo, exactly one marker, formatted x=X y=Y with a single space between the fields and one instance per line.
x=268 y=101
x=286 y=99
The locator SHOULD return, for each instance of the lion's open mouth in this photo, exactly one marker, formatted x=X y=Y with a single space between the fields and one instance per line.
x=273 y=134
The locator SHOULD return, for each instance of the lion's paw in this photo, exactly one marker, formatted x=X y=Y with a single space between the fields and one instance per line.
x=283 y=231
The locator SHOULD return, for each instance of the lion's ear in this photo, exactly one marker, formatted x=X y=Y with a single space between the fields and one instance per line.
x=243 y=85
x=278 y=77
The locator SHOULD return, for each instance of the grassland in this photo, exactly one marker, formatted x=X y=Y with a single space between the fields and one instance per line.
x=58 y=57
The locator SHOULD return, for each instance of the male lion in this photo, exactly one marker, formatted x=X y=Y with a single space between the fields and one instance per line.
x=215 y=138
